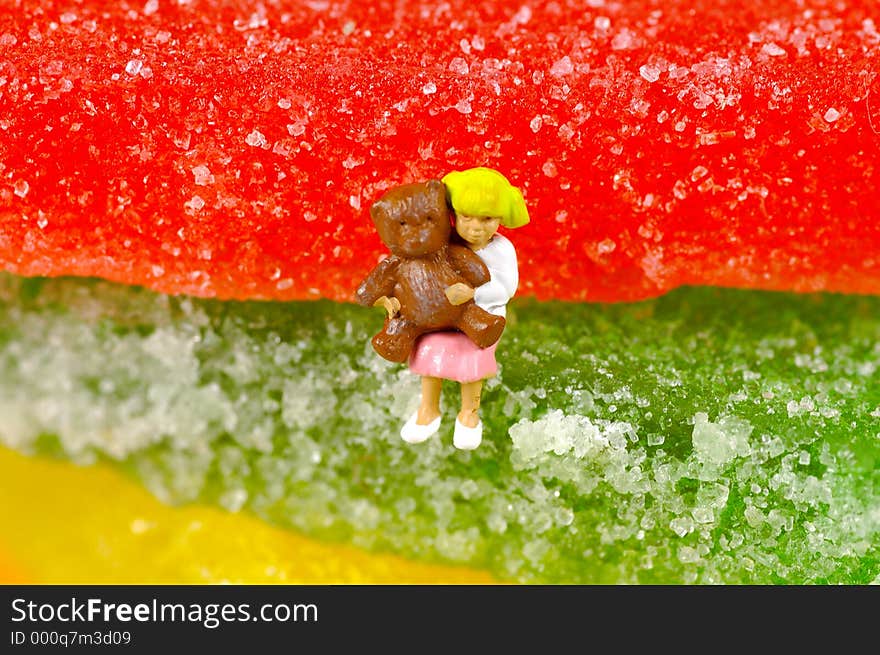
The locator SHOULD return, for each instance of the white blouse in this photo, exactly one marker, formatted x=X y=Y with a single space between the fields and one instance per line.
x=500 y=258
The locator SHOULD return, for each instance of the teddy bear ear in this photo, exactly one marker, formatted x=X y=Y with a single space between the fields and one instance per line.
x=436 y=186
x=378 y=211
x=436 y=190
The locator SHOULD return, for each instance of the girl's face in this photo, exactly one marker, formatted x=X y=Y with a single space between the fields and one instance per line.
x=477 y=231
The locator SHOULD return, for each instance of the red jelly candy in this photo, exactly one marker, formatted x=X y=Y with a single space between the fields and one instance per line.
x=232 y=148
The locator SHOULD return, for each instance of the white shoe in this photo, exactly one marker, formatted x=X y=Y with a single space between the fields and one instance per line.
x=412 y=432
x=465 y=438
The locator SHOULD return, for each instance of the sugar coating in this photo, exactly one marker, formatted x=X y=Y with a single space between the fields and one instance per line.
x=265 y=129
x=707 y=436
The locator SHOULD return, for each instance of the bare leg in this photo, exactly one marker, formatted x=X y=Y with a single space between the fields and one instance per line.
x=470 y=403
x=424 y=424
x=430 y=407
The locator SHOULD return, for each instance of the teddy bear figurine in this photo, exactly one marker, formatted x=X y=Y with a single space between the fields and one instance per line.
x=426 y=284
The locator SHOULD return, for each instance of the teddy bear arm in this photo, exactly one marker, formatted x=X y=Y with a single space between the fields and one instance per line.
x=468 y=265
x=380 y=282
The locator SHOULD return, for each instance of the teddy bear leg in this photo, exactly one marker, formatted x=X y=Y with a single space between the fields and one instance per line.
x=480 y=326
x=396 y=340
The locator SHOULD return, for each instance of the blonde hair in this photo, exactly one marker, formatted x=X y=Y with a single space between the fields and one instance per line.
x=486 y=192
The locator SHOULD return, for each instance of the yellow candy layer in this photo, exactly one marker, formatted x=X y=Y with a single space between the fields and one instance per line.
x=68 y=524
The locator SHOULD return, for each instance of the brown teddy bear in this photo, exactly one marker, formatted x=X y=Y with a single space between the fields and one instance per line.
x=416 y=284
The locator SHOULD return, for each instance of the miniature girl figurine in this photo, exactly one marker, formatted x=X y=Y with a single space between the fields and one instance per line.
x=482 y=199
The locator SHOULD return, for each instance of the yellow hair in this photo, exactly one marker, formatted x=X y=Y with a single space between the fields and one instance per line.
x=486 y=192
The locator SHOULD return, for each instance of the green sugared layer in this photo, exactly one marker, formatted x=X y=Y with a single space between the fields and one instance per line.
x=707 y=436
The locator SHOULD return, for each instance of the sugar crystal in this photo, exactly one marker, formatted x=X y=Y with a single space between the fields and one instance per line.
x=255 y=139
x=562 y=67
x=831 y=115
x=649 y=73
x=459 y=66
x=134 y=66
x=202 y=175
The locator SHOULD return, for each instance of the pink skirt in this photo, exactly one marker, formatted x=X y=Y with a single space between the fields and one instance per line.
x=452 y=356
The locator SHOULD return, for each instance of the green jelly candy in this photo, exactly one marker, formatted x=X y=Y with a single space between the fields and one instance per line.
x=707 y=436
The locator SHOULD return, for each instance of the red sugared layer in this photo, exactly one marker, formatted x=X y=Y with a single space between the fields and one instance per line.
x=233 y=148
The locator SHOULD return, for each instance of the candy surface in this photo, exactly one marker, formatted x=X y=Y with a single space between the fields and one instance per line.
x=231 y=148
x=706 y=436
x=95 y=525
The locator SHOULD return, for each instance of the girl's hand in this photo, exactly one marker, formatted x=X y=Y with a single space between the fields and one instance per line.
x=391 y=305
x=459 y=293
